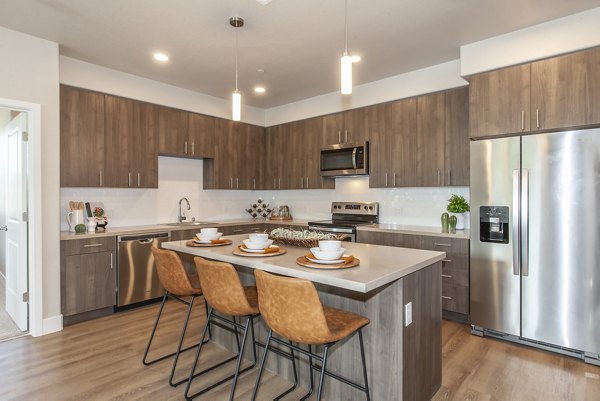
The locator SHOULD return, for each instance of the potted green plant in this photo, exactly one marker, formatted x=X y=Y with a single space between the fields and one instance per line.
x=459 y=207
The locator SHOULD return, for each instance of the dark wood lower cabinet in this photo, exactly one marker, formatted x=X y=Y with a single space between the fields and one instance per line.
x=88 y=275
x=455 y=267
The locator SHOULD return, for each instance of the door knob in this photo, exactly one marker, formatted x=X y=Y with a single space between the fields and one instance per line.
x=4 y=228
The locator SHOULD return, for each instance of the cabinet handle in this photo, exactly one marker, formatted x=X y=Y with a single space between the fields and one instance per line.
x=386 y=180
x=537 y=118
x=439 y=177
x=449 y=178
x=100 y=175
x=230 y=182
x=237 y=183
x=193 y=148
x=279 y=183
x=91 y=245
x=307 y=186
x=522 y=120
x=394 y=179
x=239 y=230
x=446 y=276
x=111 y=260
x=446 y=245
x=139 y=180
x=447 y=260
x=445 y=297
x=339 y=136
x=346 y=135
x=185 y=147
x=129 y=180
x=254 y=183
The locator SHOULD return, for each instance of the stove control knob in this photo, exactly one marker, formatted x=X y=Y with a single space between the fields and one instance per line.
x=366 y=207
x=370 y=207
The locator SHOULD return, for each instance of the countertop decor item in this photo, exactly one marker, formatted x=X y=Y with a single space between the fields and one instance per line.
x=304 y=238
x=259 y=209
x=445 y=217
x=99 y=214
x=458 y=206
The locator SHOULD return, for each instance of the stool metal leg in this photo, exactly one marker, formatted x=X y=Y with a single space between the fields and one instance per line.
x=262 y=366
x=185 y=323
x=162 y=305
x=321 y=380
x=364 y=364
x=310 y=372
x=240 y=357
x=189 y=381
x=289 y=390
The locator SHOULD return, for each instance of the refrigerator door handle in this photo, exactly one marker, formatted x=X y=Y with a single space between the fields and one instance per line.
x=515 y=224
x=525 y=222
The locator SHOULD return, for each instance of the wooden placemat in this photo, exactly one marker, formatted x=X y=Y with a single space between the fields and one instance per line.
x=195 y=244
x=238 y=251
x=302 y=261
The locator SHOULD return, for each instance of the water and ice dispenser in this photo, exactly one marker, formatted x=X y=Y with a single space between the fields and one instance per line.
x=493 y=224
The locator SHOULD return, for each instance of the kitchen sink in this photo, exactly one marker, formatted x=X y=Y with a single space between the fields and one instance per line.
x=188 y=223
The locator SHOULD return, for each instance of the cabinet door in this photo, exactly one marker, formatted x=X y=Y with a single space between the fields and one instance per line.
x=201 y=136
x=355 y=126
x=144 y=149
x=382 y=138
x=256 y=157
x=273 y=157
x=173 y=132
x=333 y=128
x=90 y=282
x=311 y=159
x=81 y=138
x=119 y=132
x=565 y=91
x=457 y=138
x=403 y=143
x=226 y=154
x=499 y=102
x=430 y=139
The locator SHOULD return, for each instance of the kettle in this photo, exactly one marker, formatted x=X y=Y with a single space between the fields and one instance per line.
x=284 y=211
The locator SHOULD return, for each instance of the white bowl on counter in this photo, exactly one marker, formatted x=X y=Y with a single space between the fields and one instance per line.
x=208 y=237
x=257 y=244
x=327 y=255
x=329 y=245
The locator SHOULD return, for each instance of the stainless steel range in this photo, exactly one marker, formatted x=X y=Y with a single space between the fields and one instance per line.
x=346 y=216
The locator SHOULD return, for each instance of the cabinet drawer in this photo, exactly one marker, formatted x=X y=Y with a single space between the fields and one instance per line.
x=88 y=245
x=455 y=298
x=454 y=274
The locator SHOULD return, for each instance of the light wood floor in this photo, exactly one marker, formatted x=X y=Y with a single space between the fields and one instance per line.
x=101 y=360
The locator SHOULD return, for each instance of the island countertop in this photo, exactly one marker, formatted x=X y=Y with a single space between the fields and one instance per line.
x=379 y=265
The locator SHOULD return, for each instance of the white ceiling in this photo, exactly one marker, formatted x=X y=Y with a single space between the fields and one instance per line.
x=297 y=42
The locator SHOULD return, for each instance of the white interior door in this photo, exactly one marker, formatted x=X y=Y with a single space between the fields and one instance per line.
x=16 y=234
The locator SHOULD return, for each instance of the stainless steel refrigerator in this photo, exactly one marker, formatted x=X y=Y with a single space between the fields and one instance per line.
x=535 y=240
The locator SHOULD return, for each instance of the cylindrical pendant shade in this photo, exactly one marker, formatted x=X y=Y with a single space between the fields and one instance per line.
x=236 y=109
x=346 y=63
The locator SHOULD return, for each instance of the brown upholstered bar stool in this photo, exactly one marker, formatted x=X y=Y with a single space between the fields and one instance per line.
x=178 y=285
x=292 y=309
x=225 y=294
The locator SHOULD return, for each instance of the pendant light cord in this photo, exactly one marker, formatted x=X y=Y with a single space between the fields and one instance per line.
x=236 y=58
x=345 y=27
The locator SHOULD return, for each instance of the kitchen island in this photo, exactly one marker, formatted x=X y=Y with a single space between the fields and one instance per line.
x=404 y=360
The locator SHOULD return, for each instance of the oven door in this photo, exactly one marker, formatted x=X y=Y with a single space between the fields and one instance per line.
x=344 y=159
x=350 y=232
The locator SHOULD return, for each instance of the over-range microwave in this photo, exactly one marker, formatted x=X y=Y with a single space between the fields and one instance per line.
x=345 y=159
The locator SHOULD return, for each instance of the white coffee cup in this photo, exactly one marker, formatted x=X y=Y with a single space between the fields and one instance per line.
x=208 y=232
x=258 y=237
x=330 y=245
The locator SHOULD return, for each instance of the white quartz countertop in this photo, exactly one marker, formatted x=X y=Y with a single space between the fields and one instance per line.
x=415 y=230
x=379 y=265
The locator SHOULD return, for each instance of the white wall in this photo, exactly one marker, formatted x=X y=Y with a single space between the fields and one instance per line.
x=563 y=35
x=431 y=79
x=30 y=74
x=90 y=76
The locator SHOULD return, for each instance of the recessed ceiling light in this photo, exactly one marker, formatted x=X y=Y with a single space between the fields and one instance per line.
x=264 y=2
x=259 y=89
x=161 y=57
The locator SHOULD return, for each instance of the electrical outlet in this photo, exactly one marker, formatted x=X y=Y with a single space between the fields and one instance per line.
x=408 y=314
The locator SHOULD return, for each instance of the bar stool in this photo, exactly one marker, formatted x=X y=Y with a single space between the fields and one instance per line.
x=292 y=309
x=178 y=285
x=224 y=293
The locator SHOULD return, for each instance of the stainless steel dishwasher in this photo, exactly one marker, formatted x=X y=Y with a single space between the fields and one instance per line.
x=138 y=279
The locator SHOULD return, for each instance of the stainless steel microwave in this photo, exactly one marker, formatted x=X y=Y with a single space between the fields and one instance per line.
x=345 y=159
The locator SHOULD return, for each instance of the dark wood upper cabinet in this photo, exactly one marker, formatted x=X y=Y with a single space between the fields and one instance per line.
x=356 y=125
x=333 y=127
x=430 y=139
x=457 y=138
x=81 y=138
x=403 y=144
x=173 y=132
x=499 y=102
x=201 y=136
x=382 y=139
x=144 y=152
x=565 y=91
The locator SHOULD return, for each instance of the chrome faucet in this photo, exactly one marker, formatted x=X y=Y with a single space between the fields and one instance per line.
x=181 y=216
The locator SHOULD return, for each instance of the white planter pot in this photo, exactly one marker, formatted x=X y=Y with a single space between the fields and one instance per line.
x=460 y=220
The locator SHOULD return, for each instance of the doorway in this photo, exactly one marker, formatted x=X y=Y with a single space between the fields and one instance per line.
x=14 y=264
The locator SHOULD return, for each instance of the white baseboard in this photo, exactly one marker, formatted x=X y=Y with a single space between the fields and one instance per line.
x=52 y=324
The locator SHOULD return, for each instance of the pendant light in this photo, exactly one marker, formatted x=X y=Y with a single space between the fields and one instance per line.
x=346 y=60
x=236 y=97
